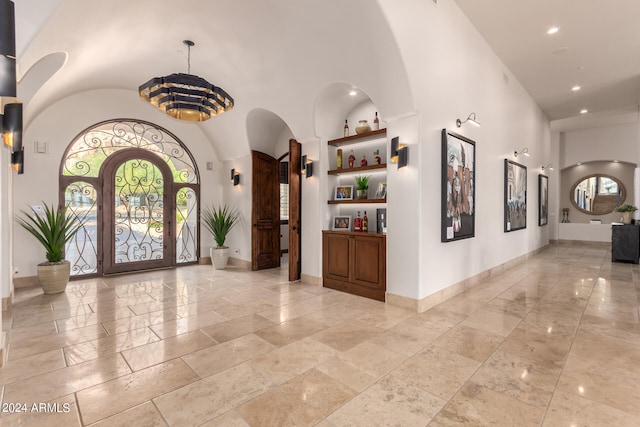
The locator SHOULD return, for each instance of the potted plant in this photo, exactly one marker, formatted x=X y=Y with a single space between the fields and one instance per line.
x=53 y=228
x=362 y=186
x=219 y=221
x=627 y=211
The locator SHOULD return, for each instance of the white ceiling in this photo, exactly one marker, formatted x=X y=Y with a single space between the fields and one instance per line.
x=597 y=47
x=246 y=47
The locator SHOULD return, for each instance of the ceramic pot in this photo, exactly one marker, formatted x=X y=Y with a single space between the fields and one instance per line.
x=627 y=217
x=362 y=194
x=54 y=277
x=363 y=127
x=219 y=257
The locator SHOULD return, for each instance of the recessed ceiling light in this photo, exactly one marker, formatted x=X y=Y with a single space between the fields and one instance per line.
x=553 y=30
x=579 y=163
x=576 y=88
x=584 y=111
x=616 y=161
x=353 y=93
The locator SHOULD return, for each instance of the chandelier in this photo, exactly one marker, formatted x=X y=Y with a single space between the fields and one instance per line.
x=185 y=96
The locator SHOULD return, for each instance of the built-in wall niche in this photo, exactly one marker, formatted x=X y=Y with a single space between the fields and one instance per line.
x=571 y=176
x=344 y=177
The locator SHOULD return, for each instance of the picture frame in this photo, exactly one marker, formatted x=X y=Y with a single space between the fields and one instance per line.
x=381 y=192
x=341 y=223
x=543 y=200
x=458 y=202
x=515 y=196
x=343 y=192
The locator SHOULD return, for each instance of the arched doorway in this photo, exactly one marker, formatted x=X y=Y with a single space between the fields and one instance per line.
x=137 y=188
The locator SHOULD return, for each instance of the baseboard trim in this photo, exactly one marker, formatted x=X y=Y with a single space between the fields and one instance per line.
x=579 y=242
x=430 y=301
x=239 y=263
x=3 y=349
x=7 y=303
x=25 y=282
x=311 y=280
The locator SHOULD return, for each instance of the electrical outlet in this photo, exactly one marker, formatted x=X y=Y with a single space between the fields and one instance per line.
x=16 y=270
x=237 y=251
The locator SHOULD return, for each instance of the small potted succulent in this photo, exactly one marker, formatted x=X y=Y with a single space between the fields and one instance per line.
x=362 y=186
x=627 y=211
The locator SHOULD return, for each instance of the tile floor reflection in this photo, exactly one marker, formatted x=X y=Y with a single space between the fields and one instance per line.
x=554 y=341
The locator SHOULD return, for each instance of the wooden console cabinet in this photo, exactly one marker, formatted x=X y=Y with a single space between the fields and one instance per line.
x=355 y=263
x=625 y=243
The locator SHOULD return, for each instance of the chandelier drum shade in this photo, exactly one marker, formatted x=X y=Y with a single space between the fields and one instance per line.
x=185 y=96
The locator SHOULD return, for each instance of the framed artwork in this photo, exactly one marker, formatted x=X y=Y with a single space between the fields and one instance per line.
x=543 y=200
x=458 y=209
x=343 y=192
x=341 y=223
x=381 y=192
x=515 y=196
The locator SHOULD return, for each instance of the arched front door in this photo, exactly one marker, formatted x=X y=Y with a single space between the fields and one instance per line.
x=137 y=212
x=137 y=188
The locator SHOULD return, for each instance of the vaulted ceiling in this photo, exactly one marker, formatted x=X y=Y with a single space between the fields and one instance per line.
x=267 y=53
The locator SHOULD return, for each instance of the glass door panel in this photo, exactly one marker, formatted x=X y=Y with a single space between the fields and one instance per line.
x=138 y=212
x=82 y=250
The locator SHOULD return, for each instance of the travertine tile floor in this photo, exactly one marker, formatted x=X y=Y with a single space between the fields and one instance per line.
x=553 y=342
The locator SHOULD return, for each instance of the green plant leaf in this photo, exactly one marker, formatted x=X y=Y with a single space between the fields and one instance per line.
x=362 y=182
x=626 y=208
x=53 y=229
x=219 y=221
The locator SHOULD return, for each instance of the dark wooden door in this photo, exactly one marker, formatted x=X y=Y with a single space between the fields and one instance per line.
x=265 y=212
x=295 y=151
x=137 y=212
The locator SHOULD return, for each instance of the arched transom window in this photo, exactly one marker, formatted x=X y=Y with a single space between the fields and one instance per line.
x=137 y=188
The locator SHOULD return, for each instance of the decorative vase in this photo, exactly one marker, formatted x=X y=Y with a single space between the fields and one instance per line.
x=219 y=257
x=363 y=127
x=627 y=217
x=362 y=194
x=53 y=277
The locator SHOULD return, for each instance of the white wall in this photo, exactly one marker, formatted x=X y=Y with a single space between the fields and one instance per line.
x=7 y=260
x=63 y=121
x=453 y=72
x=311 y=223
x=237 y=197
x=618 y=142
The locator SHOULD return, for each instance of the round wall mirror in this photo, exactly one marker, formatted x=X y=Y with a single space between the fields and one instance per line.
x=597 y=194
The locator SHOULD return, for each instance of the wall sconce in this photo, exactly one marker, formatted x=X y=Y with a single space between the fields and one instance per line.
x=399 y=153
x=235 y=177
x=471 y=119
x=306 y=166
x=403 y=156
x=7 y=49
x=524 y=151
x=12 y=126
x=17 y=161
x=549 y=166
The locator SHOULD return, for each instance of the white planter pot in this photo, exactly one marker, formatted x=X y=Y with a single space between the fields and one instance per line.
x=54 y=277
x=219 y=257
